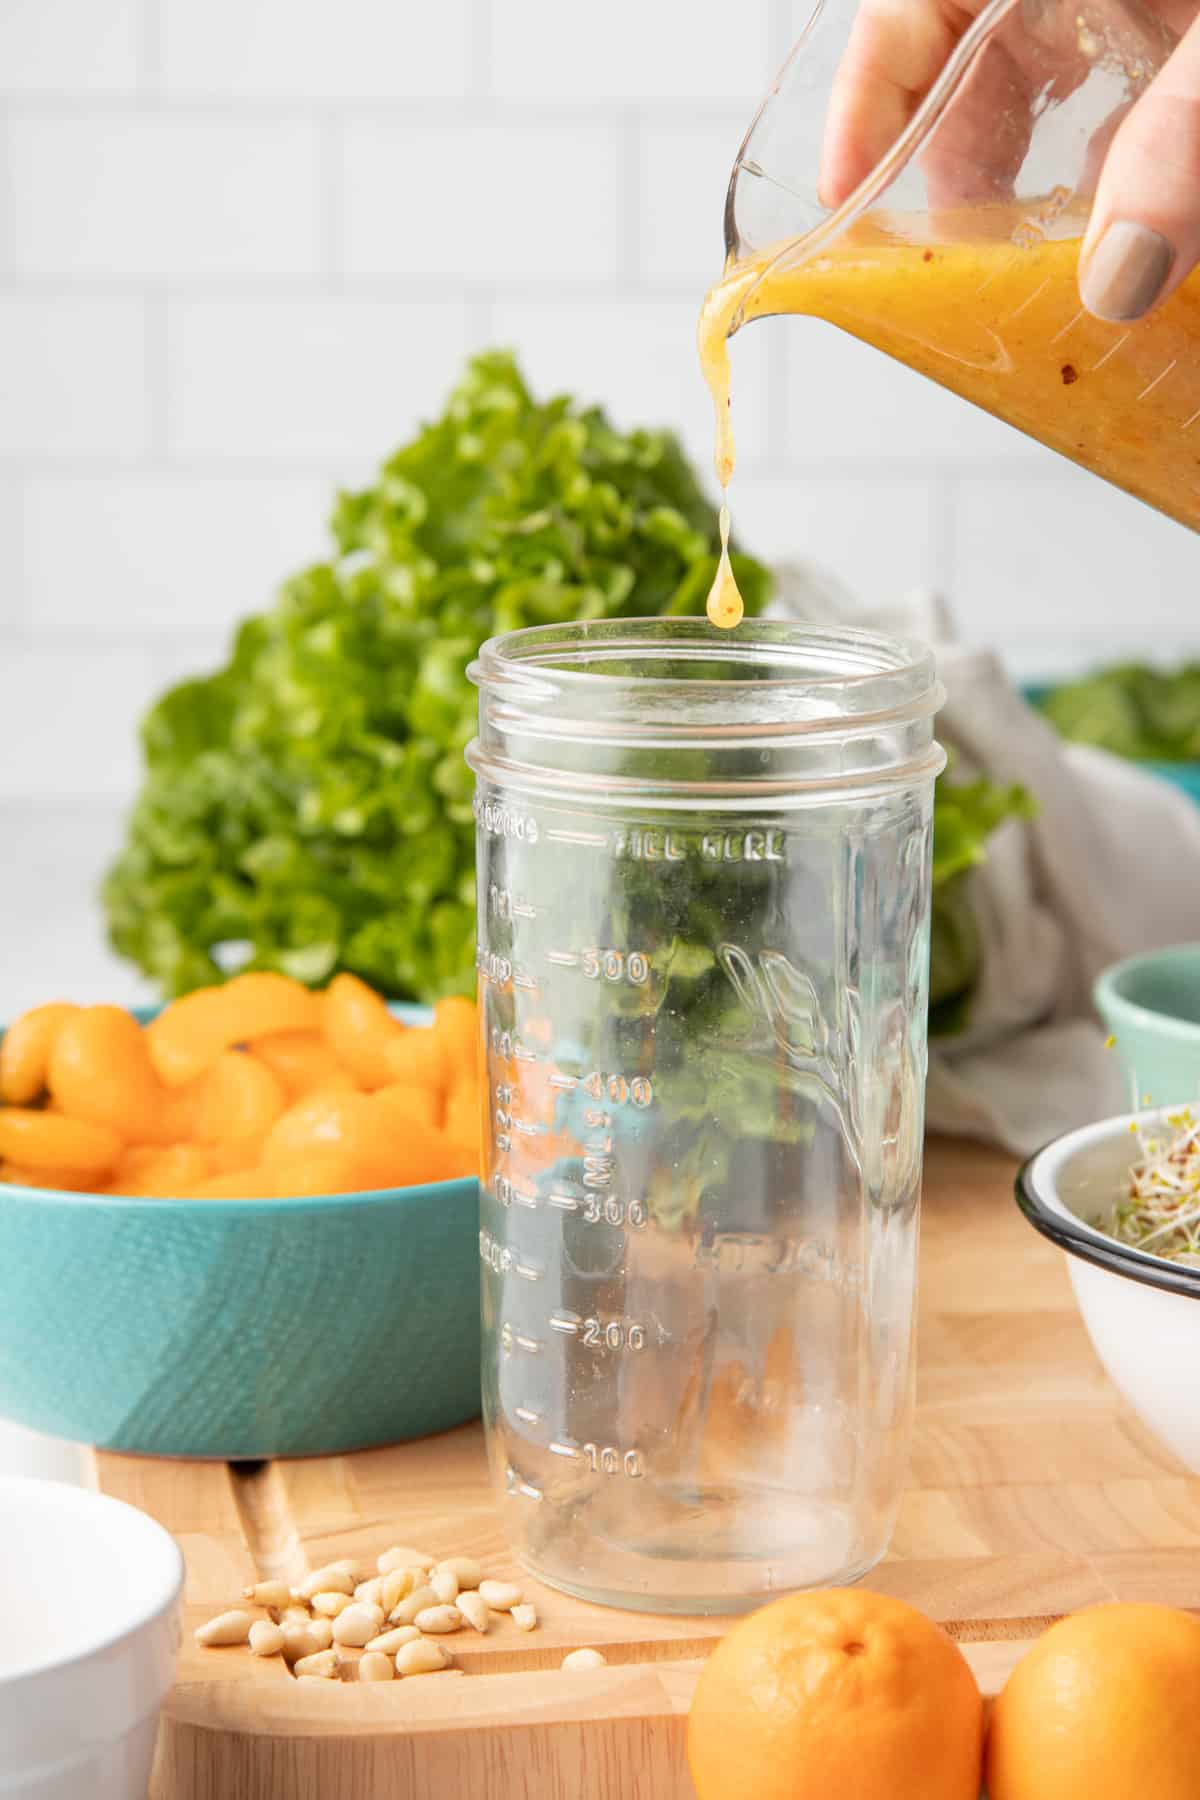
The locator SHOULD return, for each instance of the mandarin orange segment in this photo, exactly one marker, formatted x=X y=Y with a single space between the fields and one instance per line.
x=262 y=1003
x=43 y=1140
x=187 y=1037
x=360 y=1028
x=456 y=1023
x=463 y=1123
x=419 y=1057
x=323 y=1172
x=242 y=1184
x=411 y=1160
x=321 y=1122
x=65 y=1180
x=302 y=1060
x=411 y=1108
x=160 y=1174
x=240 y=1100
x=100 y=1070
x=25 y=1051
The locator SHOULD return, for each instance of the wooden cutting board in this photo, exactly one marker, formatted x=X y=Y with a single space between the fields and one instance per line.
x=1033 y=1491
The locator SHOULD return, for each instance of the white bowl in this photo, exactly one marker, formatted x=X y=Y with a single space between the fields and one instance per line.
x=1142 y=1312
x=90 y=1594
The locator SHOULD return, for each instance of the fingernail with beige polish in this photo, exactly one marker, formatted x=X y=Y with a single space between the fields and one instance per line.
x=1126 y=272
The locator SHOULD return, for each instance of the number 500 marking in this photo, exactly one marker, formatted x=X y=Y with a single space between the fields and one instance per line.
x=615 y=965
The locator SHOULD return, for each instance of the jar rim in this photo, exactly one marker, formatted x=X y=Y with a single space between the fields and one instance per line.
x=676 y=708
x=855 y=659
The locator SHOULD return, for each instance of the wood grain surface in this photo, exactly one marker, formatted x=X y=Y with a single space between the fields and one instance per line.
x=1033 y=1490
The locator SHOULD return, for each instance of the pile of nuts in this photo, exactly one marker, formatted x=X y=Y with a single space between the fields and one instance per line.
x=397 y=1618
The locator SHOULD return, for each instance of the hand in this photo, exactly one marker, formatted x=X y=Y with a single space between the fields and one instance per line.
x=1143 y=237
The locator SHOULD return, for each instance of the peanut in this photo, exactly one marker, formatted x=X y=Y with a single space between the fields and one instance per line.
x=370 y=1591
x=524 y=1618
x=584 y=1659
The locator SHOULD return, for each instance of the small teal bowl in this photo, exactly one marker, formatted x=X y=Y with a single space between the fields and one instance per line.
x=241 y=1329
x=1151 y=1005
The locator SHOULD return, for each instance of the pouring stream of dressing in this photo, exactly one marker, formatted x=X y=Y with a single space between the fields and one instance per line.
x=718 y=319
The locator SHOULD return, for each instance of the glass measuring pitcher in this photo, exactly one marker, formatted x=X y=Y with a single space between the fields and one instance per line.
x=958 y=251
x=703 y=880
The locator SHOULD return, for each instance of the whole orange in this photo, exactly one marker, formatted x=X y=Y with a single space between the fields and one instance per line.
x=1106 y=1706
x=836 y=1695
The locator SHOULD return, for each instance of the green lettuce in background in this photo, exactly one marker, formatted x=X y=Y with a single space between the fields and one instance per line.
x=310 y=803
x=1146 y=714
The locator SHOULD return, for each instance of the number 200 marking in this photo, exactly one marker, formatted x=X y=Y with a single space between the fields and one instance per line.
x=616 y=1335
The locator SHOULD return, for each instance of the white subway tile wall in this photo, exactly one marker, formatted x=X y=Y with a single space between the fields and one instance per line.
x=246 y=244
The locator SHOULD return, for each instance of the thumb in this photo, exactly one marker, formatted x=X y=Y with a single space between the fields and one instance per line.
x=1144 y=234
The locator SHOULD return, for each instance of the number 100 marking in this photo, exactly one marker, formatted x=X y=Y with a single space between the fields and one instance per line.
x=606 y=1459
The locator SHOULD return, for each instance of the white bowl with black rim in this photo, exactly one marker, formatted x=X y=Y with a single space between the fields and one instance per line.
x=1142 y=1311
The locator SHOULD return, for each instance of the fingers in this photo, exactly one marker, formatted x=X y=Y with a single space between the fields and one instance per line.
x=895 y=49
x=1144 y=235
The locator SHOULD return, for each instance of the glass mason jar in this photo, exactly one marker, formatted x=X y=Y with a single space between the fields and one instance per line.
x=703 y=868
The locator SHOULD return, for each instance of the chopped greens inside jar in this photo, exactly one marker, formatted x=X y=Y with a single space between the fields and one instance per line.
x=1161 y=1213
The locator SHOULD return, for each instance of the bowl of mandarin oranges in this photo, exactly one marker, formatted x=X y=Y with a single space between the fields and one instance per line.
x=243 y=1226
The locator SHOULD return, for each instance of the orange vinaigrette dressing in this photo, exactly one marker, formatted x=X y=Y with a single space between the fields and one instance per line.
x=1000 y=323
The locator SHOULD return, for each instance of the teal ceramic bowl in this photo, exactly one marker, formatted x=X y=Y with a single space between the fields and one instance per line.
x=241 y=1329
x=1151 y=1005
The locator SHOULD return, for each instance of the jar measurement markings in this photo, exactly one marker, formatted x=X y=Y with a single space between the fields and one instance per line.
x=527 y=1415
x=504 y=1261
x=565 y=1083
x=562 y=959
x=600 y=1334
x=511 y=1339
x=602 y=1459
x=515 y=1484
x=499 y=972
x=506 y=905
x=568 y=1203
